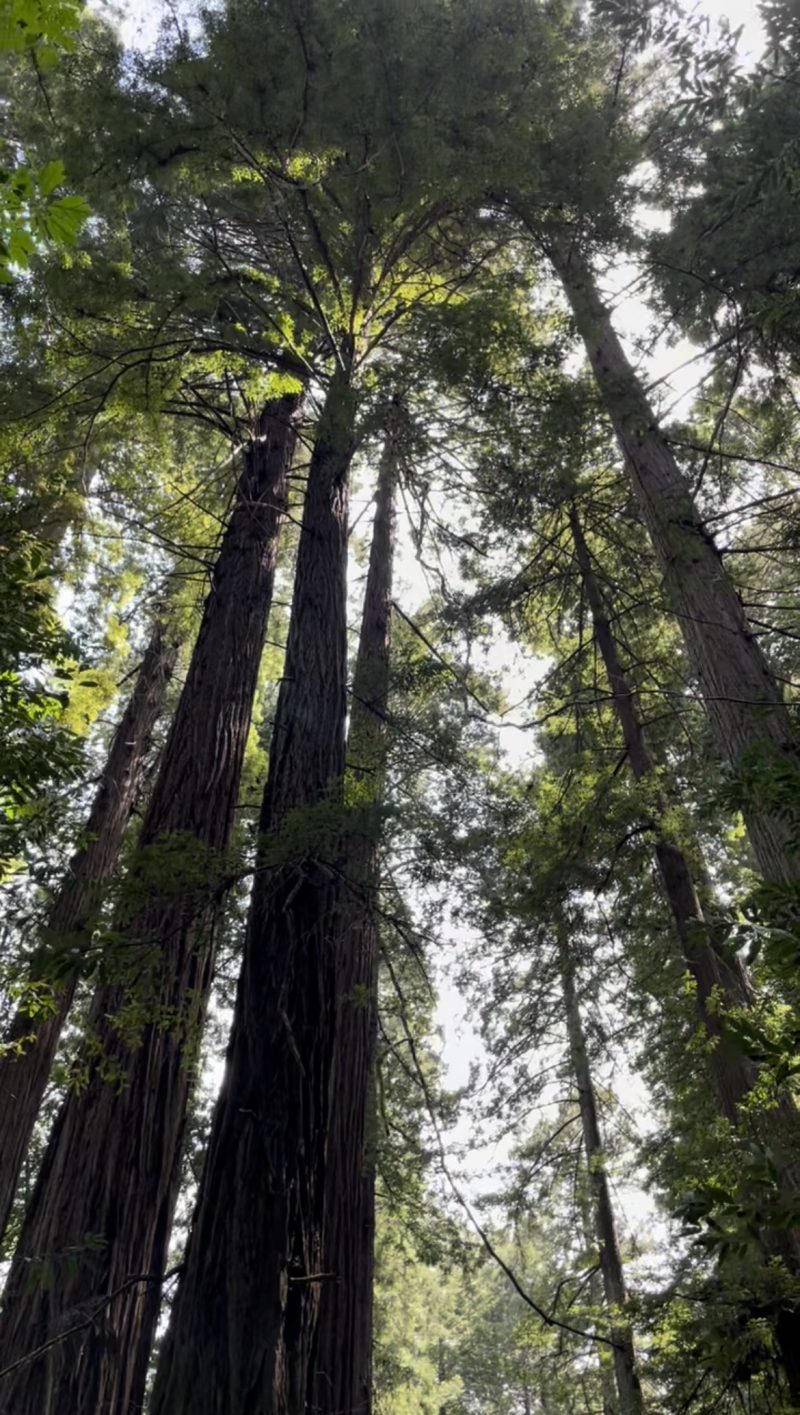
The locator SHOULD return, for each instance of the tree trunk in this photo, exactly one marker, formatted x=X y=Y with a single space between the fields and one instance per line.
x=107 y=1189
x=342 y=1363
x=717 y=978
x=732 y=1073
x=625 y=1366
x=748 y=717
x=605 y=1355
x=32 y=1039
x=242 y=1325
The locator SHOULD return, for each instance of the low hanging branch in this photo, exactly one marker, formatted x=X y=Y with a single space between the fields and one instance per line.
x=460 y=679
x=134 y=1281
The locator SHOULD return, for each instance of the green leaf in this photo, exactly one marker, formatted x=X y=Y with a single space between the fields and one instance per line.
x=50 y=177
x=64 y=218
x=20 y=246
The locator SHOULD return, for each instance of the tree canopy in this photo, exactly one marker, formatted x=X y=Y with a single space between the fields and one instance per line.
x=399 y=749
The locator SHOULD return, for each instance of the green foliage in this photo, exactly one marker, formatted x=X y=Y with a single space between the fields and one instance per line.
x=30 y=211
x=29 y=216
x=362 y=199
x=43 y=26
x=37 y=749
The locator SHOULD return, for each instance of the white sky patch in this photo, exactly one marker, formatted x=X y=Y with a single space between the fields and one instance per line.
x=136 y=21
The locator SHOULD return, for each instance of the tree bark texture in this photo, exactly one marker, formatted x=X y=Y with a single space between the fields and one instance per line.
x=32 y=1040
x=741 y=696
x=625 y=1364
x=719 y=980
x=342 y=1362
x=249 y=1295
x=112 y=1164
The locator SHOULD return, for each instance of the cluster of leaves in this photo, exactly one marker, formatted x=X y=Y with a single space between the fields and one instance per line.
x=38 y=751
x=36 y=31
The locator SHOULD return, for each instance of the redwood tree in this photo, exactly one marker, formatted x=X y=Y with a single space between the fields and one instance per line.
x=722 y=983
x=748 y=716
x=33 y=1035
x=342 y=1362
x=713 y=973
x=626 y=1372
x=249 y=1293
x=107 y=1187
x=580 y=128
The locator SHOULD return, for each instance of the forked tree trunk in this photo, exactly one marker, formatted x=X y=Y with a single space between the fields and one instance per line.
x=112 y=1164
x=32 y=1038
x=744 y=705
x=342 y=1361
x=718 y=979
x=243 y=1319
x=626 y=1372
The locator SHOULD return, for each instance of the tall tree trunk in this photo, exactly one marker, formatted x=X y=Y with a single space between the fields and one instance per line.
x=605 y=1356
x=242 y=1325
x=32 y=1039
x=625 y=1365
x=732 y=1073
x=342 y=1363
x=717 y=977
x=742 y=699
x=112 y=1165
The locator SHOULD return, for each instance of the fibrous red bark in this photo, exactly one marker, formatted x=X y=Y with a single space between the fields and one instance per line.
x=32 y=1040
x=342 y=1359
x=249 y=1295
x=112 y=1164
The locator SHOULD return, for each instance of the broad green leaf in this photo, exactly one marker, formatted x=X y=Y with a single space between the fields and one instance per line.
x=50 y=177
x=64 y=218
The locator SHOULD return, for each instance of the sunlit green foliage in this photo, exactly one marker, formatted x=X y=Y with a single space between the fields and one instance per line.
x=36 y=32
x=364 y=198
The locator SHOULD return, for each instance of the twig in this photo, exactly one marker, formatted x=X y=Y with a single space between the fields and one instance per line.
x=547 y=1317
x=87 y=1322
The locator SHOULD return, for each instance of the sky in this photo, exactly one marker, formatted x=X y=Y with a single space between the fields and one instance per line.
x=138 y=23
x=139 y=19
